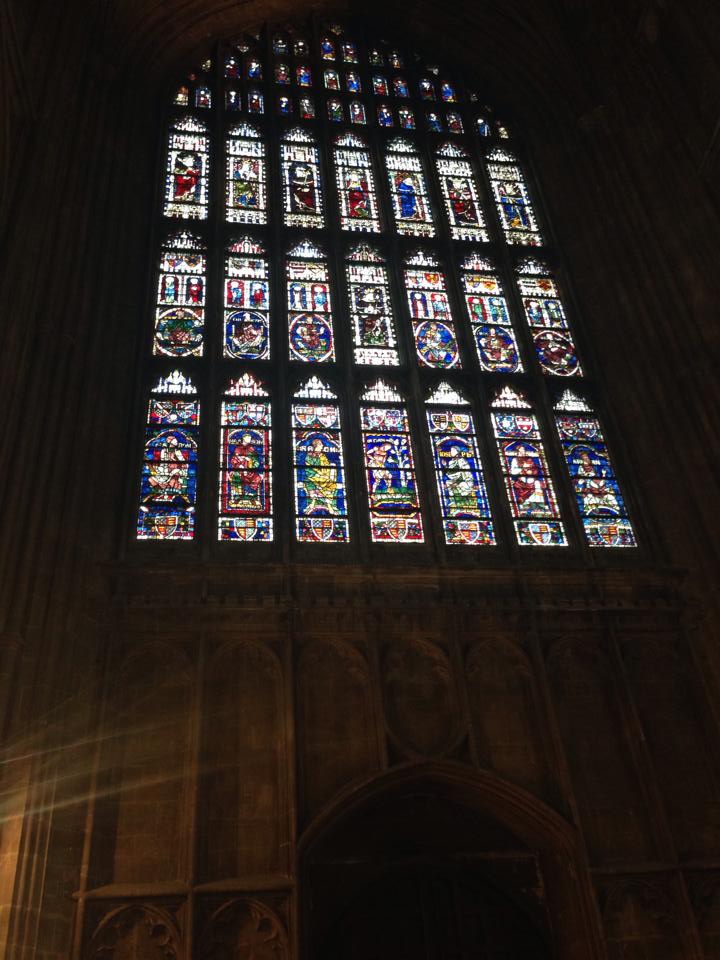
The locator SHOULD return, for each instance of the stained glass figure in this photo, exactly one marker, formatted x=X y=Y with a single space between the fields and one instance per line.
x=246 y=302
x=406 y=118
x=434 y=123
x=427 y=90
x=203 y=98
x=302 y=187
x=487 y=309
x=533 y=504
x=458 y=469
x=384 y=115
x=246 y=176
x=321 y=510
x=332 y=80
x=483 y=127
x=352 y=83
x=460 y=192
x=370 y=307
x=180 y=310
x=168 y=487
x=408 y=188
x=279 y=45
x=396 y=61
x=256 y=102
x=511 y=198
x=284 y=106
x=400 y=87
x=357 y=112
x=307 y=109
x=303 y=75
x=454 y=122
x=254 y=70
x=335 y=111
x=356 y=185
x=380 y=87
x=282 y=73
x=232 y=67
x=447 y=92
x=310 y=323
x=327 y=48
x=300 y=48
x=232 y=100
x=245 y=501
x=547 y=321
x=600 y=502
x=502 y=131
x=433 y=327
x=349 y=52
x=186 y=179
x=182 y=97
x=375 y=58
x=393 y=500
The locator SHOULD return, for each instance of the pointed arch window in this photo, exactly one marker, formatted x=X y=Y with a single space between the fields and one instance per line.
x=420 y=284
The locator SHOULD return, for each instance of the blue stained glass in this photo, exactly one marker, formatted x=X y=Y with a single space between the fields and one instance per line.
x=487 y=308
x=546 y=318
x=245 y=502
x=461 y=484
x=320 y=492
x=433 y=328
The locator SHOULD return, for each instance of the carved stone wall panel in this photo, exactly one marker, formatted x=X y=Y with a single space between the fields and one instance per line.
x=602 y=769
x=337 y=738
x=421 y=704
x=641 y=922
x=705 y=898
x=147 y=757
x=505 y=713
x=668 y=697
x=242 y=763
x=243 y=929
x=137 y=932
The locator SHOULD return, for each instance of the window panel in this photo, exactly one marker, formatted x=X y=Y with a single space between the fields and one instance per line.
x=433 y=327
x=530 y=491
x=180 y=309
x=310 y=331
x=458 y=470
x=408 y=189
x=168 y=487
x=245 y=497
x=460 y=193
x=600 y=502
x=545 y=315
x=321 y=512
x=370 y=306
x=186 y=181
x=512 y=199
x=246 y=173
x=487 y=309
x=247 y=302
x=302 y=186
x=393 y=499
x=356 y=185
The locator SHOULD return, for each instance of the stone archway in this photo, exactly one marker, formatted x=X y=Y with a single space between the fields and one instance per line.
x=432 y=853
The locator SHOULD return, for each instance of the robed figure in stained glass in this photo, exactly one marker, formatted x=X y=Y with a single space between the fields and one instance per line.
x=407 y=193
x=320 y=490
x=303 y=194
x=246 y=476
x=461 y=201
x=187 y=171
x=357 y=195
x=513 y=205
x=528 y=486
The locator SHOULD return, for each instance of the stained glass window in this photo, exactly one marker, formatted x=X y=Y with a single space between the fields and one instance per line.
x=356 y=185
x=393 y=500
x=245 y=497
x=247 y=302
x=460 y=193
x=310 y=323
x=371 y=308
x=489 y=316
x=600 y=502
x=168 y=488
x=408 y=189
x=243 y=197
x=545 y=315
x=512 y=199
x=180 y=309
x=186 y=182
x=530 y=491
x=321 y=512
x=433 y=327
x=302 y=186
x=245 y=193
x=458 y=470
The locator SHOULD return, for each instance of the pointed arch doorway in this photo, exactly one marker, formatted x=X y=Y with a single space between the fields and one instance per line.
x=417 y=865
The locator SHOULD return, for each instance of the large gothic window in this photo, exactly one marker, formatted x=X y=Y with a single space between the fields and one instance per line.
x=360 y=335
